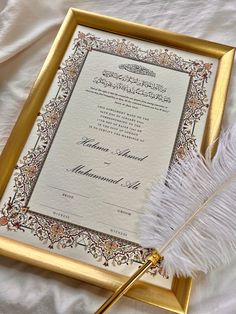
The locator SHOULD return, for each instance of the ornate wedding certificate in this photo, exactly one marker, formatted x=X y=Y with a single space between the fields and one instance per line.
x=118 y=113
x=106 y=148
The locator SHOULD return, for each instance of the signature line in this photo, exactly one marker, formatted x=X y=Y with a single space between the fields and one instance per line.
x=132 y=210
x=53 y=187
x=116 y=227
x=60 y=210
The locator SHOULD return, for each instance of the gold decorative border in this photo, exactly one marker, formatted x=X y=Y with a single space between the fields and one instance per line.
x=177 y=298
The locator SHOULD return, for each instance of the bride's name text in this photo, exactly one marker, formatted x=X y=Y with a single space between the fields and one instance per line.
x=94 y=144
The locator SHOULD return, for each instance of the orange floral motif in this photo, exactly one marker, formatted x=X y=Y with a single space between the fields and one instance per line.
x=110 y=246
x=24 y=210
x=30 y=170
x=208 y=66
x=71 y=71
x=81 y=35
x=51 y=117
x=180 y=153
x=193 y=102
x=57 y=230
x=164 y=59
x=120 y=48
x=3 y=221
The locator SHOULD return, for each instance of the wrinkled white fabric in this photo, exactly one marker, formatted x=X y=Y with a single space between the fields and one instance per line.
x=27 y=29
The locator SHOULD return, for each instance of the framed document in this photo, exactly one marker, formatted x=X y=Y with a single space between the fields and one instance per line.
x=114 y=105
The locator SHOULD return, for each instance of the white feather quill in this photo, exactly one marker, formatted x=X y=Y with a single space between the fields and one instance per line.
x=191 y=214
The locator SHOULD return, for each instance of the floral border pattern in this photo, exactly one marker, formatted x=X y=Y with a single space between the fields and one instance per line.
x=55 y=233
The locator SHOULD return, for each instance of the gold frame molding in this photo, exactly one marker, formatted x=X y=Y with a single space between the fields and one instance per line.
x=177 y=298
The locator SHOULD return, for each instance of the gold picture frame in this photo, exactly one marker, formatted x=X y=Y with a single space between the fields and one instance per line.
x=177 y=298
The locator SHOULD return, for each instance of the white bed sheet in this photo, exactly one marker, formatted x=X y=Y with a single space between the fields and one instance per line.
x=27 y=29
